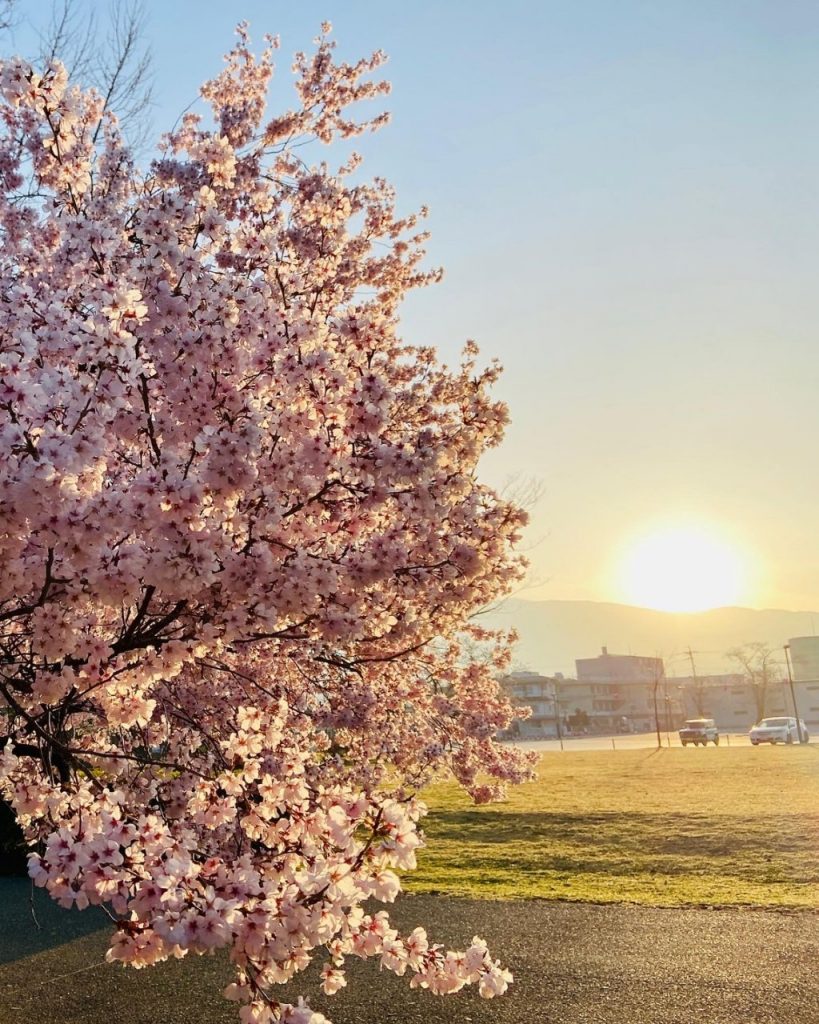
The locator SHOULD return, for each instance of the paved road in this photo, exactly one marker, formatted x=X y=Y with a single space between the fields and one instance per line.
x=574 y=964
x=629 y=741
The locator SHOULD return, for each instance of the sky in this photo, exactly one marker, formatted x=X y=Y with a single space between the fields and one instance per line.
x=624 y=197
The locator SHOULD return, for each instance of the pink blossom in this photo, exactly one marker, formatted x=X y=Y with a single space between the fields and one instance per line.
x=242 y=534
x=332 y=980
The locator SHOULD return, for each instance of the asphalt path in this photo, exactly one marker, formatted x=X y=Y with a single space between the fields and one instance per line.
x=573 y=964
x=628 y=741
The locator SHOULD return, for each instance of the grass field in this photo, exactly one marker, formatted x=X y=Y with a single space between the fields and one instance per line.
x=671 y=827
x=715 y=826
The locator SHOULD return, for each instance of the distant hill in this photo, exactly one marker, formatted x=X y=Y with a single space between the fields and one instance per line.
x=554 y=633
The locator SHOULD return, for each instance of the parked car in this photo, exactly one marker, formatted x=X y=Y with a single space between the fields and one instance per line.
x=778 y=730
x=700 y=730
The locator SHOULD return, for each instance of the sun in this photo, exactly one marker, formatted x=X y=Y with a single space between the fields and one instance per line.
x=682 y=569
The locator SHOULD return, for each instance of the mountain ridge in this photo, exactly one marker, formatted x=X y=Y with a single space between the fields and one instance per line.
x=554 y=632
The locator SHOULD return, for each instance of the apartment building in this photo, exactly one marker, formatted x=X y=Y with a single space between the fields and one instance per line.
x=618 y=691
x=538 y=692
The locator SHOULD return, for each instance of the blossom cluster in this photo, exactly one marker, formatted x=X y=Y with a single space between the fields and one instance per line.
x=242 y=535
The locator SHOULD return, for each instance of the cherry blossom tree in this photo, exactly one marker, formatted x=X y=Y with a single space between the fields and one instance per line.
x=242 y=537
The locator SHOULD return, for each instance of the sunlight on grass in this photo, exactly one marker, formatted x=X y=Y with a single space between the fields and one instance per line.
x=737 y=826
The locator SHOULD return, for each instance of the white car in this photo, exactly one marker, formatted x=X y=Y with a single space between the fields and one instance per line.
x=699 y=730
x=778 y=730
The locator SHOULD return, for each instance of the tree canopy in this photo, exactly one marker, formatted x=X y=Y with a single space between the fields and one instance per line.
x=242 y=535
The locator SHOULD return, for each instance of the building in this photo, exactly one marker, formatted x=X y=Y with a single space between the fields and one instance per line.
x=530 y=689
x=803 y=655
x=621 y=692
x=627 y=692
x=619 y=668
x=634 y=691
x=730 y=699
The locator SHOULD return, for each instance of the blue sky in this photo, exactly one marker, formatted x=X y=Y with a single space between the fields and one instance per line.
x=624 y=198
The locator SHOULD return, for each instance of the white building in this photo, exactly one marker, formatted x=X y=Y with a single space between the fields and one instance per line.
x=531 y=689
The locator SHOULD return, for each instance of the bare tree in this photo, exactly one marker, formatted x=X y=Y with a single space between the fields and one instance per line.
x=525 y=492
x=760 y=666
x=110 y=56
x=6 y=12
x=698 y=684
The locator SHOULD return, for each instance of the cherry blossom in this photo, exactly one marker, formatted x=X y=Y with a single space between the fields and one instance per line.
x=242 y=534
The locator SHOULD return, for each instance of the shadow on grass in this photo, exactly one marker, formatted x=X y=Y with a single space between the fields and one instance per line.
x=646 y=835
x=31 y=922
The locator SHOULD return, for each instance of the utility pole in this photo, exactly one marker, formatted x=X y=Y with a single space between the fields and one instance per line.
x=656 y=712
x=557 y=715
x=799 y=733
x=697 y=693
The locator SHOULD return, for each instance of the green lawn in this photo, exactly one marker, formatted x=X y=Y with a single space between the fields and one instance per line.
x=705 y=826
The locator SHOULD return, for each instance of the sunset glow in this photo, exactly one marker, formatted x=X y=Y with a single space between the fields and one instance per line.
x=682 y=569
